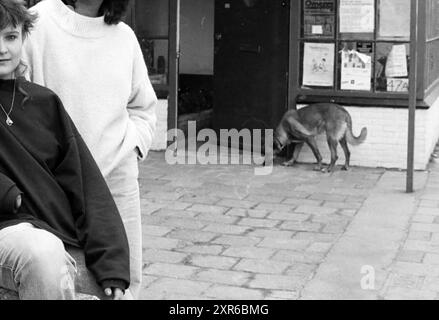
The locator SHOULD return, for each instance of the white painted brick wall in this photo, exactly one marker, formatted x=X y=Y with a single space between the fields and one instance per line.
x=386 y=143
x=432 y=129
x=159 y=141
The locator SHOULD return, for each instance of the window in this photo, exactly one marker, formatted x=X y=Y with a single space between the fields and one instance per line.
x=357 y=47
x=152 y=29
x=432 y=44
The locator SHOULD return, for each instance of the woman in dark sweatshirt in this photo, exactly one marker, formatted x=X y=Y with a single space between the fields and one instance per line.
x=52 y=194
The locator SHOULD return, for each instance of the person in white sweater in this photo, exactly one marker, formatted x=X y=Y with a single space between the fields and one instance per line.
x=83 y=52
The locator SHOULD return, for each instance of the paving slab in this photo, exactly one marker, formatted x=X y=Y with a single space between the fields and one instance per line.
x=370 y=243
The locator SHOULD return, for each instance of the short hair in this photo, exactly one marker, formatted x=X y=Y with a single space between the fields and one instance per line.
x=112 y=10
x=14 y=13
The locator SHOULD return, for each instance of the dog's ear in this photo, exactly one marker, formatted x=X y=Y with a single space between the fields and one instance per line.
x=297 y=129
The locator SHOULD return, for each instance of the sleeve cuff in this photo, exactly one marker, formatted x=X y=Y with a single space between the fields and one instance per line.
x=8 y=196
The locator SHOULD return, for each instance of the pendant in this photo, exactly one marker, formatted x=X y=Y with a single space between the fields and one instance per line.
x=9 y=121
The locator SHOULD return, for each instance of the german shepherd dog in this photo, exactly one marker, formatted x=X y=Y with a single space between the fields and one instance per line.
x=303 y=125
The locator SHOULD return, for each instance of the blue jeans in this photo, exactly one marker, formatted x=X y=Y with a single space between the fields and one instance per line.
x=34 y=263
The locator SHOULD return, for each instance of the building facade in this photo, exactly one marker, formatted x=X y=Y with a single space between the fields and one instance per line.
x=264 y=57
x=355 y=53
x=358 y=54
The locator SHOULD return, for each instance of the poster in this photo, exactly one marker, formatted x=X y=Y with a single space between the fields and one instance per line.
x=357 y=16
x=396 y=64
x=318 y=6
x=318 y=64
x=394 y=19
x=356 y=70
x=323 y=25
x=319 y=18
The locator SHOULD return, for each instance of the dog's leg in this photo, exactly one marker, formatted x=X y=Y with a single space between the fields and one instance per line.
x=315 y=150
x=332 y=143
x=292 y=161
x=347 y=153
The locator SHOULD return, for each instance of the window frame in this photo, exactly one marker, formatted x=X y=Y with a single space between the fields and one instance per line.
x=169 y=90
x=162 y=90
x=299 y=95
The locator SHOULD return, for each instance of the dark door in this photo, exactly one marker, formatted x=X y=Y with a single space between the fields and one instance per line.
x=250 y=63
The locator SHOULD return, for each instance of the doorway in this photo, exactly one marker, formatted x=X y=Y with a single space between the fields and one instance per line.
x=195 y=92
x=251 y=52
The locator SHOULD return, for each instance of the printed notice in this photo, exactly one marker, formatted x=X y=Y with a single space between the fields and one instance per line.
x=318 y=64
x=396 y=64
x=318 y=18
x=356 y=71
x=357 y=16
x=394 y=19
x=397 y=84
x=317 y=29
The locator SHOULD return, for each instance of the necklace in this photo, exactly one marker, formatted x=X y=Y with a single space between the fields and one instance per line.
x=9 y=121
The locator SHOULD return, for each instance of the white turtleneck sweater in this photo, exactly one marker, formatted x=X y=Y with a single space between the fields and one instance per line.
x=99 y=73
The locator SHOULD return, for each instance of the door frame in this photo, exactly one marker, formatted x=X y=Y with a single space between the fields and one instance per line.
x=293 y=67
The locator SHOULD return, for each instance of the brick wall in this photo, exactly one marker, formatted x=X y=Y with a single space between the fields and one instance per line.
x=386 y=143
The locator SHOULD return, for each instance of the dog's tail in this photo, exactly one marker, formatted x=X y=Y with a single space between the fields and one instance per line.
x=350 y=135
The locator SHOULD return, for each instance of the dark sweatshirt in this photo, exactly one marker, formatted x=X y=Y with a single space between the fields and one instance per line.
x=63 y=189
x=8 y=195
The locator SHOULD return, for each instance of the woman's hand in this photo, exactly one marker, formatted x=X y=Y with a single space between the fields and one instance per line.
x=17 y=204
x=115 y=293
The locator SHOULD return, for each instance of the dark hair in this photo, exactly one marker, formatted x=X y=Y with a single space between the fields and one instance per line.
x=14 y=13
x=112 y=10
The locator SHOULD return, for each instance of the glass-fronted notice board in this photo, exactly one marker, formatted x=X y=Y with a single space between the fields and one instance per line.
x=355 y=45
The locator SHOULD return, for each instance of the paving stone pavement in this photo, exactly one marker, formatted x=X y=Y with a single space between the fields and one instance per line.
x=222 y=232
x=414 y=273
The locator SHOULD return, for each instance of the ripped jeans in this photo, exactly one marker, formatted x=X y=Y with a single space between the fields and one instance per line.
x=34 y=263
